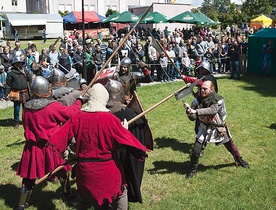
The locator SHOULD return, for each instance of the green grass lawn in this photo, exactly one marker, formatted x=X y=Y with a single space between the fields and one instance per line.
x=251 y=108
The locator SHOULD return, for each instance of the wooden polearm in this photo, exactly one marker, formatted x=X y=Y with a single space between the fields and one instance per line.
x=161 y=47
x=117 y=49
x=156 y=105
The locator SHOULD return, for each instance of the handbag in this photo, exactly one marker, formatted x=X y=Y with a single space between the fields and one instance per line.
x=14 y=96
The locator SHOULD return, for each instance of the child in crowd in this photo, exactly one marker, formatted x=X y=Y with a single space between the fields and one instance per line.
x=186 y=62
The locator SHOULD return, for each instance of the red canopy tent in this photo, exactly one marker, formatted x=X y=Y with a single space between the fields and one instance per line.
x=89 y=17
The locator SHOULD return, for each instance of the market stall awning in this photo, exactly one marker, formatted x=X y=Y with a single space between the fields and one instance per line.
x=26 y=22
x=155 y=17
x=110 y=17
x=125 y=17
x=186 y=17
x=206 y=20
x=89 y=17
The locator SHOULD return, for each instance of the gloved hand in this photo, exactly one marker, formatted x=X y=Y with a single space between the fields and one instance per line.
x=125 y=124
x=82 y=81
x=191 y=111
x=186 y=105
x=81 y=98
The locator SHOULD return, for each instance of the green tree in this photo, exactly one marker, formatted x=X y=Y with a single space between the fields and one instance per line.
x=62 y=14
x=254 y=8
x=109 y=12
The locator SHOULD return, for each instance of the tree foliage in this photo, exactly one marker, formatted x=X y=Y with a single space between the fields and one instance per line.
x=229 y=13
x=110 y=12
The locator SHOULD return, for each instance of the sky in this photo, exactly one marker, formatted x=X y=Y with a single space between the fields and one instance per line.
x=197 y=3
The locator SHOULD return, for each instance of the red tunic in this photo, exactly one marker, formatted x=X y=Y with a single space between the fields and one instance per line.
x=38 y=160
x=97 y=136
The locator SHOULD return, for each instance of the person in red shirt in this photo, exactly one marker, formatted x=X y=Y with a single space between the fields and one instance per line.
x=99 y=172
x=41 y=118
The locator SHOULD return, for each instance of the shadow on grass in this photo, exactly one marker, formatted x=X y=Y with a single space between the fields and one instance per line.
x=173 y=143
x=7 y=122
x=164 y=167
x=272 y=126
x=16 y=143
x=264 y=86
x=39 y=199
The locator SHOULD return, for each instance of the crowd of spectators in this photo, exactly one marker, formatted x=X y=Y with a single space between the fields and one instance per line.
x=225 y=50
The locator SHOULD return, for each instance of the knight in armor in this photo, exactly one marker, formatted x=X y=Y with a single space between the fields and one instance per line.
x=99 y=173
x=132 y=166
x=42 y=116
x=124 y=76
x=60 y=92
x=211 y=113
x=18 y=79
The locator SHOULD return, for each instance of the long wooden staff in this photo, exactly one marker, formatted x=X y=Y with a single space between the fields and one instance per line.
x=155 y=105
x=117 y=49
x=71 y=162
x=172 y=62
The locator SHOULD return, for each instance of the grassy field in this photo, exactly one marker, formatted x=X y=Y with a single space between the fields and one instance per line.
x=251 y=105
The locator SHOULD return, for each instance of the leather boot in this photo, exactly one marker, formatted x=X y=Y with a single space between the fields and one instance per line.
x=193 y=167
x=66 y=187
x=242 y=162
x=16 y=125
x=24 y=198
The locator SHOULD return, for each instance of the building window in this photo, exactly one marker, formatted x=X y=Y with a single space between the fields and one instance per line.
x=14 y=2
x=61 y=7
x=68 y=7
x=92 y=7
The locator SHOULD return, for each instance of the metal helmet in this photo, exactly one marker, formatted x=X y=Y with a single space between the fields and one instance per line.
x=126 y=62
x=58 y=78
x=40 y=87
x=17 y=59
x=206 y=65
x=116 y=90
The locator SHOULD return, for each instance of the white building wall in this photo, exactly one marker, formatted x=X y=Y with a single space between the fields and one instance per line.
x=6 y=6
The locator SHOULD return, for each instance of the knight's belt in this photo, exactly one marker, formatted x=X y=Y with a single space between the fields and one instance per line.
x=93 y=159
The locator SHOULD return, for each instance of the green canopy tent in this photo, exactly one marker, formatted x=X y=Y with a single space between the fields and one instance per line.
x=255 y=44
x=186 y=17
x=155 y=17
x=206 y=20
x=110 y=17
x=125 y=17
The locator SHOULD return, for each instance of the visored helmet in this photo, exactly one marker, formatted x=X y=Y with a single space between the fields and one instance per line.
x=40 y=87
x=115 y=90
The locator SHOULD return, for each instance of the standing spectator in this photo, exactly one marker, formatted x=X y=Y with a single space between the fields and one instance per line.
x=16 y=34
x=78 y=59
x=267 y=51
x=186 y=62
x=6 y=58
x=212 y=115
x=103 y=48
x=3 y=78
x=35 y=53
x=210 y=57
x=18 y=80
x=243 y=45
x=171 y=55
x=99 y=173
x=153 y=60
x=54 y=55
x=163 y=60
x=166 y=32
x=234 y=53
x=44 y=35
x=17 y=51
x=97 y=57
